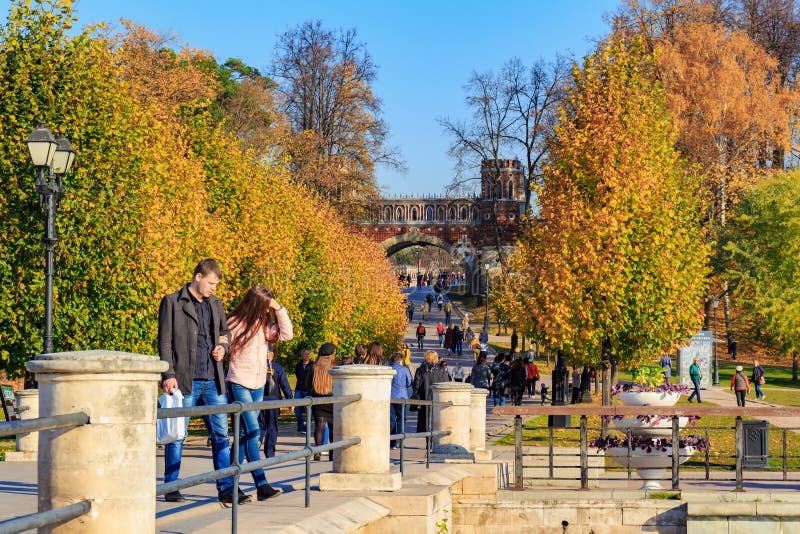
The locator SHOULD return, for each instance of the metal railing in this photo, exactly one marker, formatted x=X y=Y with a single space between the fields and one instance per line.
x=429 y=434
x=237 y=469
x=56 y=515
x=673 y=413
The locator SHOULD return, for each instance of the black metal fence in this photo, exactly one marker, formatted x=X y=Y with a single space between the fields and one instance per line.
x=751 y=451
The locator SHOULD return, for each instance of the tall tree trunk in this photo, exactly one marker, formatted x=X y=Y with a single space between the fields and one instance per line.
x=794 y=366
x=726 y=307
x=605 y=363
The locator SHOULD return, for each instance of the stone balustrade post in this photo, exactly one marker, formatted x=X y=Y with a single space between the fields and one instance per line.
x=111 y=461
x=27 y=444
x=366 y=466
x=477 y=428
x=455 y=418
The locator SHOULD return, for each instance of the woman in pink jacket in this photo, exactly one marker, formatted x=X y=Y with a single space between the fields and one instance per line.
x=257 y=321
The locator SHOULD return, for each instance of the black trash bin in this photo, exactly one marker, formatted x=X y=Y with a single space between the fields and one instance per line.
x=756 y=444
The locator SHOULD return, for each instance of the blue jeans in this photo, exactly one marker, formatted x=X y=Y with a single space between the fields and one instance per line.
x=696 y=382
x=248 y=428
x=447 y=318
x=441 y=339
x=204 y=392
x=299 y=411
x=759 y=393
x=396 y=421
x=459 y=347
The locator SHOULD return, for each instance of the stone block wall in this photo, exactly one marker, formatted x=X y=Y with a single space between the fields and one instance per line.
x=523 y=512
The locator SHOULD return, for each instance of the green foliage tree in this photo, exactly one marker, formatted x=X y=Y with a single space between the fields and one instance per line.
x=615 y=269
x=760 y=253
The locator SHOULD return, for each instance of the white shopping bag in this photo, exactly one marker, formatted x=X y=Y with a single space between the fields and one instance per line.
x=174 y=428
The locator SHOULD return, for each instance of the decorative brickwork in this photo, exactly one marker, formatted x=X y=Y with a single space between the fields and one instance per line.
x=449 y=222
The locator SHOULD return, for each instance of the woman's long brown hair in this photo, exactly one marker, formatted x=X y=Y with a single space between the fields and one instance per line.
x=250 y=314
x=322 y=381
x=374 y=354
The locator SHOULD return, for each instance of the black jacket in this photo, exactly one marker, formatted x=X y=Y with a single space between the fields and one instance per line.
x=177 y=337
x=304 y=376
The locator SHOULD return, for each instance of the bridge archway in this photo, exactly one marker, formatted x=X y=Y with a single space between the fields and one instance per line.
x=464 y=257
x=395 y=244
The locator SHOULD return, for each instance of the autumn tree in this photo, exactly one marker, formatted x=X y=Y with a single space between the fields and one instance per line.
x=759 y=254
x=160 y=181
x=326 y=79
x=730 y=96
x=615 y=269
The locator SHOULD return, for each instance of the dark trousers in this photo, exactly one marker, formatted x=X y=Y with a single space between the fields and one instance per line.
x=268 y=421
x=696 y=393
x=740 y=395
x=396 y=422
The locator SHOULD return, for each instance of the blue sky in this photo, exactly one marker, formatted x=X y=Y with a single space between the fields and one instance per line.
x=425 y=52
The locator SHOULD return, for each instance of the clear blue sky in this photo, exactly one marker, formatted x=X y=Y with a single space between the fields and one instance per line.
x=425 y=51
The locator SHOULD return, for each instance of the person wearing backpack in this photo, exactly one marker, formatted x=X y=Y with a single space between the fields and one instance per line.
x=481 y=375
x=427 y=374
x=518 y=380
x=440 y=331
x=420 y=335
x=448 y=311
x=440 y=302
x=500 y=382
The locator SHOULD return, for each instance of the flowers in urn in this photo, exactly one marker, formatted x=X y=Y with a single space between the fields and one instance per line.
x=649 y=444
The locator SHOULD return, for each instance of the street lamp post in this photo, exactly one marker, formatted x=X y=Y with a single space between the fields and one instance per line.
x=486 y=315
x=52 y=159
x=714 y=304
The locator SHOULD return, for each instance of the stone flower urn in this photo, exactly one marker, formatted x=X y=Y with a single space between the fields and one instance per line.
x=650 y=453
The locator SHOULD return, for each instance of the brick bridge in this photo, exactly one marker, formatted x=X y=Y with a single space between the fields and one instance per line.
x=462 y=226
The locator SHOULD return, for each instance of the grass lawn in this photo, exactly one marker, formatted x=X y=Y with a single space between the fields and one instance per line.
x=6 y=444
x=720 y=432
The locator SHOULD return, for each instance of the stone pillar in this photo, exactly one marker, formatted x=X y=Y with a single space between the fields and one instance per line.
x=27 y=444
x=111 y=461
x=477 y=427
x=455 y=418
x=366 y=466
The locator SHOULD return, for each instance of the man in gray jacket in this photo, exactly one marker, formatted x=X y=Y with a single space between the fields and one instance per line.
x=193 y=338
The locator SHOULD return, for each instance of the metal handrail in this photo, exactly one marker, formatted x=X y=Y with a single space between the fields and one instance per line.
x=56 y=515
x=53 y=422
x=429 y=434
x=43 y=519
x=236 y=470
x=194 y=411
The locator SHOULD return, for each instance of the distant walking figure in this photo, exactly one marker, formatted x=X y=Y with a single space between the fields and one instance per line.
x=740 y=385
x=694 y=374
x=758 y=379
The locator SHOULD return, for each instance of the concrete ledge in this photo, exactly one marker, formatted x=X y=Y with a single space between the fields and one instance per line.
x=482 y=455
x=452 y=457
x=360 y=482
x=350 y=517
x=21 y=456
